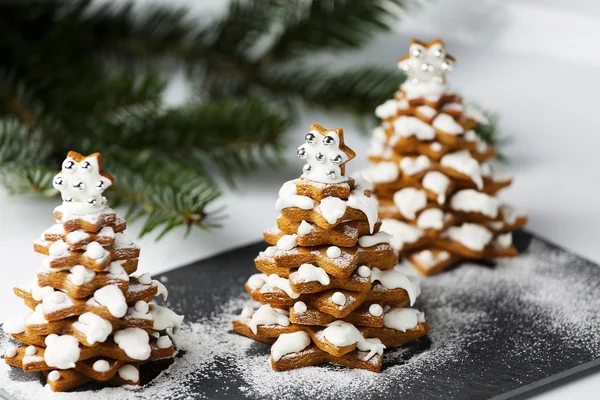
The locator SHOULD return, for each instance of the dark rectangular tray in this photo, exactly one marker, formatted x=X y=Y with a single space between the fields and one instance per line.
x=503 y=330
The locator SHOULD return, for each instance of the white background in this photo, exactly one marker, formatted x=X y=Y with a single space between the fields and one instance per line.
x=536 y=63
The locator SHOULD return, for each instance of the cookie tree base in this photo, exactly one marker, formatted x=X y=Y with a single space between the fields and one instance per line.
x=501 y=330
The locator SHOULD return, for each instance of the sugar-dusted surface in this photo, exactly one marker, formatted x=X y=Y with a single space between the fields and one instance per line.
x=493 y=329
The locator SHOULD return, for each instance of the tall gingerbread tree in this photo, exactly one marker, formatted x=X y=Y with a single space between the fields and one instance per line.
x=89 y=318
x=433 y=177
x=328 y=289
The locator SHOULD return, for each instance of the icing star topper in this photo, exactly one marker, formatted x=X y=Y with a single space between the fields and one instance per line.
x=426 y=65
x=325 y=153
x=81 y=183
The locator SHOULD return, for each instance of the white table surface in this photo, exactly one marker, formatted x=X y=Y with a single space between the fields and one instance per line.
x=536 y=63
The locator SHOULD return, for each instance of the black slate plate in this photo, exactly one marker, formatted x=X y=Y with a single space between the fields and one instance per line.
x=498 y=331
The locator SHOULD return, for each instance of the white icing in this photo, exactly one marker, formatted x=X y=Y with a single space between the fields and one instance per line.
x=129 y=373
x=504 y=240
x=288 y=343
x=426 y=68
x=412 y=166
x=401 y=232
x=332 y=209
x=16 y=324
x=145 y=279
x=11 y=351
x=56 y=301
x=94 y=250
x=428 y=259
x=364 y=271
x=427 y=111
x=333 y=252
x=270 y=251
x=359 y=201
x=383 y=172
x=436 y=146
x=113 y=299
x=57 y=297
x=87 y=198
x=311 y=273
x=437 y=183
x=164 y=342
x=165 y=318
x=387 y=109
x=142 y=307
x=463 y=162
x=135 y=342
x=394 y=279
x=303 y=202
x=305 y=228
x=471 y=136
x=161 y=289
x=453 y=107
x=95 y=328
x=267 y=315
x=339 y=298
x=54 y=376
x=61 y=351
x=101 y=366
x=300 y=307
x=375 y=310
x=510 y=214
x=80 y=275
x=403 y=319
x=343 y=334
x=30 y=351
x=411 y=126
x=372 y=240
x=447 y=124
x=256 y=281
x=432 y=218
x=470 y=200
x=37 y=317
x=57 y=229
x=476 y=114
x=38 y=293
x=77 y=236
x=324 y=171
x=247 y=312
x=287 y=242
x=472 y=236
x=409 y=201
x=59 y=249
x=283 y=284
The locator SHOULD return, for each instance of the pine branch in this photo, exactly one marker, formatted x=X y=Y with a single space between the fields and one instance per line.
x=330 y=24
x=359 y=89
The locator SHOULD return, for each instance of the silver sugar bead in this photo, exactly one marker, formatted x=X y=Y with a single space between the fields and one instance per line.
x=58 y=181
x=446 y=67
x=86 y=165
x=319 y=157
x=414 y=81
x=68 y=165
x=301 y=153
x=92 y=201
x=415 y=52
x=328 y=141
x=100 y=184
x=68 y=199
x=307 y=168
x=437 y=79
x=405 y=67
x=337 y=160
x=331 y=174
x=310 y=138
x=79 y=185
x=438 y=53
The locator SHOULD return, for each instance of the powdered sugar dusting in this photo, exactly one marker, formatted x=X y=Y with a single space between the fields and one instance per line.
x=494 y=328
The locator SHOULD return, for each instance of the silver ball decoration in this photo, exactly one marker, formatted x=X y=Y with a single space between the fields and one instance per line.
x=68 y=199
x=307 y=168
x=79 y=185
x=445 y=66
x=100 y=185
x=310 y=138
x=92 y=201
x=405 y=67
x=68 y=165
x=415 y=52
x=86 y=165
x=337 y=160
x=415 y=81
x=437 y=79
x=438 y=53
x=319 y=157
x=331 y=174
x=301 y=153
x=58 y=181
x=426 y=67
x=328 y=141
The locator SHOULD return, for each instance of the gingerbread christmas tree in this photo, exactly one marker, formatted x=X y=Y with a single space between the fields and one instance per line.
x=90 y=319
x=433 y=179
x=328 y=289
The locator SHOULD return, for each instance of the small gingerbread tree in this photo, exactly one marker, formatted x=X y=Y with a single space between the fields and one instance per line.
x=433 y=179
x=89 y=320
x=328 y=287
